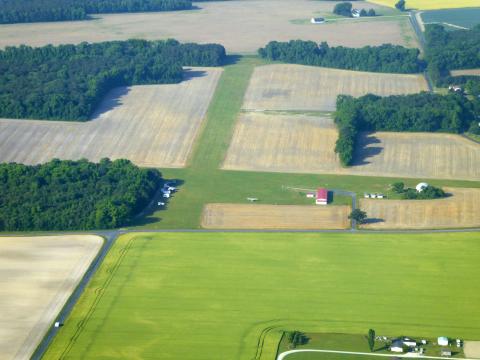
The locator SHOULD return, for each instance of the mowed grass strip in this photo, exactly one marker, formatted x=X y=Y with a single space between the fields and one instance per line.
x=209 y=296
x=310 y=88
x=461 y=209
x=256 y=216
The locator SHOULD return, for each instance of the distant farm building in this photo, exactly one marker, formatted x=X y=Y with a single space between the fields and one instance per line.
x=397 y=346
x=443 y=341
x=322 y=197
x=446 y=352
x=422 y=186
x=318 y=20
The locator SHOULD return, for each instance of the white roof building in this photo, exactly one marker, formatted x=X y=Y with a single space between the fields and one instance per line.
x=422 y=186
x=442 y=341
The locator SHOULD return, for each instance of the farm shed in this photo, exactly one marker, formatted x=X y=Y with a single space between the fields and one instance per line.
x=446 y=352
x=397 y=346
x=443 y=341
x=322 y=196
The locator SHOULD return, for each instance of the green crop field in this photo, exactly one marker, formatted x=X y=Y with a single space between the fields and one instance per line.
x=466 y=18
x=429 y=4
x=207 y=296
x=203 y=182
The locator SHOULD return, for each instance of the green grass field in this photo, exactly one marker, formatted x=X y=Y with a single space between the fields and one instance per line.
x=208 y=296
x=429 y=4
x=204 y=182
x=467 y=18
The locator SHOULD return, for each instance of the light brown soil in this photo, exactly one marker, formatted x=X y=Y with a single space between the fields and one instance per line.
x=241 y=26
x=462 y=209
x=475 y=72
x=472 y=349
x=256 y=216
x=37 y=276
x=305 y=144
x=417 y=155
x=297 y=87
x=151 y=125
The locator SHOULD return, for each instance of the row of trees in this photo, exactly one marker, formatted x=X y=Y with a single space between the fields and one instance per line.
x=73 y=195
x=425 y=112
x=385 y=58
x=430 y=192
x=67 y=82
x=20 y=11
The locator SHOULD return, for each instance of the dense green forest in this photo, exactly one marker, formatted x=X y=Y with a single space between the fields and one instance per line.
x=449 y=50
x=73 y=195
x=385 y=58
x=21 y=11
x=67 y=82
x=423 y=112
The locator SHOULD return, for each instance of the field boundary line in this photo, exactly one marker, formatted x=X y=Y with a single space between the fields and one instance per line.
x=283 y=355
x=99 y=292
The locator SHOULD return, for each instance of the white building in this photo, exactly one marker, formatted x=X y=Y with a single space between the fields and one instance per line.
x=442 y=341
x=397 y=346
x=422 y=186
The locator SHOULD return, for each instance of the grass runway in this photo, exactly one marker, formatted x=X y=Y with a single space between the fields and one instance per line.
x=209 y=296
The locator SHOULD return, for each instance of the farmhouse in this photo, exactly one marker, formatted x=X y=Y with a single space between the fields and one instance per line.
x=322 y=196
x=318 y=20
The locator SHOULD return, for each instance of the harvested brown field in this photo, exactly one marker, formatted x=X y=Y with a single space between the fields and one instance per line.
x=309 y=88
x=37 y=276
x=278 y=142
x=283 y=143
x=151 y=125
x=241 y=26
x=472 y=349
x=256 y=216
x=417 y=155
x=474 y=72
x=462 y=209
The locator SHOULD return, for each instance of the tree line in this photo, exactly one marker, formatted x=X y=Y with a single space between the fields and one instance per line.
x=428 y=193
x=21 y=11
x=423 y=112
x=449 y=50
x=385 y=58
x=67 y=82
x=73 y=195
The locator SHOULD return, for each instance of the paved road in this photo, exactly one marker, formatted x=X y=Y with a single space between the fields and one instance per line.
x=110 y=237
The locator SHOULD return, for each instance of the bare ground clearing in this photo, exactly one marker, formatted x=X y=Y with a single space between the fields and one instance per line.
x=241 y=26
x=474 y=72
x=462 y=209
x=152 y=125
x=37 y=276
x=309 y=88
x=256 y=216
x=283 y=143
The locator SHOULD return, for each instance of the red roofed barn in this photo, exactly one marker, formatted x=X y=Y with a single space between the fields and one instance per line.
x=322 y=196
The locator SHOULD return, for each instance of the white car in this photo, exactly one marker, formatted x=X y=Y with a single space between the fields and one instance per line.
x=160 y=203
